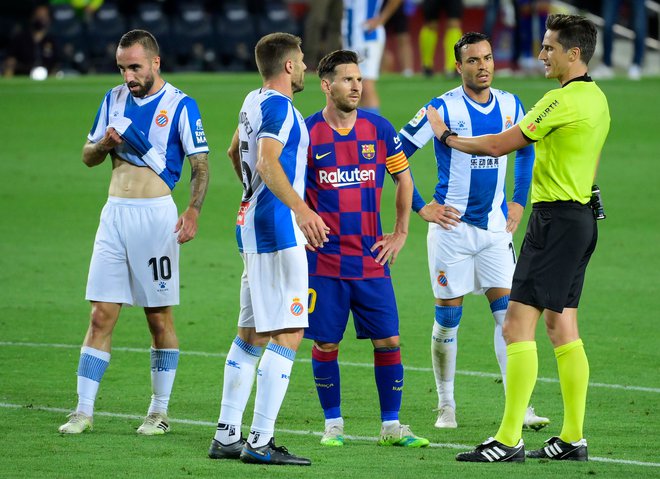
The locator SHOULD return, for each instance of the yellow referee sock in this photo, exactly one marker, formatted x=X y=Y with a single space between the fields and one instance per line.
x=452 y=35
x=573 y=369
x=428 y=39
x=521 y=370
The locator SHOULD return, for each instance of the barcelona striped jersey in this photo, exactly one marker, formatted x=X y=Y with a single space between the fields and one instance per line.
x=472 y=184
x=345 y=175
x=159 y=129
x=265 y=224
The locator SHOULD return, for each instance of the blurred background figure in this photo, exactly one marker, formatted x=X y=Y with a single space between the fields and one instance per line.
x=428 y=35
x=403 y=52
x=32 y=47
x=530 y=26
x=639 y=22
x=363 y=33
x=85 y=9
x=322 y=30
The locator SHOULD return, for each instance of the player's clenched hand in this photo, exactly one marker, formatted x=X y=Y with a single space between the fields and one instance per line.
x=389 y=246
x=313 y=227
x=110 y=139
x=444 y=215
x=437 y=125
x=514 y=216
x=186 y=225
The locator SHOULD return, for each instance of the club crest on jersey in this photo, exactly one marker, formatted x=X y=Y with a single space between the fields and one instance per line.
x=442 y=279
x=508 y=123
x=368 y=151
x=297 y=307
x=162 y=119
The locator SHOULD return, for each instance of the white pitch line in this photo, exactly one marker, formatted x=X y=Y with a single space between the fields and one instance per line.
x=306 y=360
x=210 y=425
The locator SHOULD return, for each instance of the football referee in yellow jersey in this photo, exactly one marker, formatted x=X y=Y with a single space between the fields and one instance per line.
x=569 y=126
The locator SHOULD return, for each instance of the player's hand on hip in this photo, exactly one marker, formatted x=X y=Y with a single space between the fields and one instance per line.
x=437 y=125
x=313 y=227
x=514 y=216
x=186 y=225
x=389 y=245
x=444 y=215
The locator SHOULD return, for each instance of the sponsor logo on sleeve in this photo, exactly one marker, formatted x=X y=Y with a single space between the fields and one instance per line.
x=240 y=219
x=546 y=112
x=200 y=136
x=421 y=114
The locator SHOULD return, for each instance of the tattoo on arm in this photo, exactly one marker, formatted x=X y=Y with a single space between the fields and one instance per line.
x=199 y=179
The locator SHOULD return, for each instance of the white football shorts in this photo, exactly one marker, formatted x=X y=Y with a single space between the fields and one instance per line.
x=136 y=255
x=467 y=259
x=370 y=55
x=274 y=290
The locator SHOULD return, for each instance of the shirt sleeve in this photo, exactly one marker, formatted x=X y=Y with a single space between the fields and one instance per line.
x=100 y=121
x=276 y=119
x=522 y=173
x=418 y=130
x=396 y=160
x=191 y=129
x=549 y=113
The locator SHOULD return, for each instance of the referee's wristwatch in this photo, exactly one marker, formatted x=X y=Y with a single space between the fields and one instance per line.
x=446 y=134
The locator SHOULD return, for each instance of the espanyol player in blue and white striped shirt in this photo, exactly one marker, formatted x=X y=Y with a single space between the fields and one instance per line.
x=269 y=154
x=470 y=245
x=147 y=126
x=363 y=32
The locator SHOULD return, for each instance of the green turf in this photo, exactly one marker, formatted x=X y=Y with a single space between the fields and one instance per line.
x=50 y=203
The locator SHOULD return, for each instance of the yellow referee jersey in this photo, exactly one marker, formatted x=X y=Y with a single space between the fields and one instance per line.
x=569 y=125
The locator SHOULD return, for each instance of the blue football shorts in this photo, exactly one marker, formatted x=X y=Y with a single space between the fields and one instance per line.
x=371 y=301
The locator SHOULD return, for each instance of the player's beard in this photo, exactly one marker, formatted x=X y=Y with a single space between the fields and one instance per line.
x=143 y=88
x=344 y=104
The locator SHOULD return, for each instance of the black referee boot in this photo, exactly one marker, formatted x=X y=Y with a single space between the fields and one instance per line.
x=494 y=451
x=559 y=450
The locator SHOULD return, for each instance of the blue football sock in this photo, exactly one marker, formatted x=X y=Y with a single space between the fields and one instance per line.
x=326 y=377
x=389 y=381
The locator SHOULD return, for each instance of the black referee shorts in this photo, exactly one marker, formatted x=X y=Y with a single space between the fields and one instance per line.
x=560 y=238
x=431 y=9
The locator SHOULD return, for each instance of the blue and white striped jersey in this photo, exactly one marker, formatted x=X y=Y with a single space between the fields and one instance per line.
x=473 y=184
x=356 y=13
x=159 y=129
x=264 y=223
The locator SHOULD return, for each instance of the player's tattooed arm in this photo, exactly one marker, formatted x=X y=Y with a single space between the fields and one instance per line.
x=199 y=179
x=186 y=225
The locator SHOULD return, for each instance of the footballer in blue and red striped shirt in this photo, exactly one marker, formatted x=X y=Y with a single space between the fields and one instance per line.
x=349 y=154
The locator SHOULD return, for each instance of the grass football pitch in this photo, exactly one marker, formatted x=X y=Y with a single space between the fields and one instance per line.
x=50 y=206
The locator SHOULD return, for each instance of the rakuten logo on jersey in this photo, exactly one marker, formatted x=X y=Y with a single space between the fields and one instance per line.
x=339 y=178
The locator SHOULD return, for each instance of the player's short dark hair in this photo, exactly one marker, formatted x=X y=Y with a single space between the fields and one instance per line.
x=468 y=38
x=329 y=62
x=574 y=31
x=272 y=51
x=142 y=37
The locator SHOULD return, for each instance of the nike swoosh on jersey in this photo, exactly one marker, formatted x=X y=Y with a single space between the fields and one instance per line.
x=319 y=157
